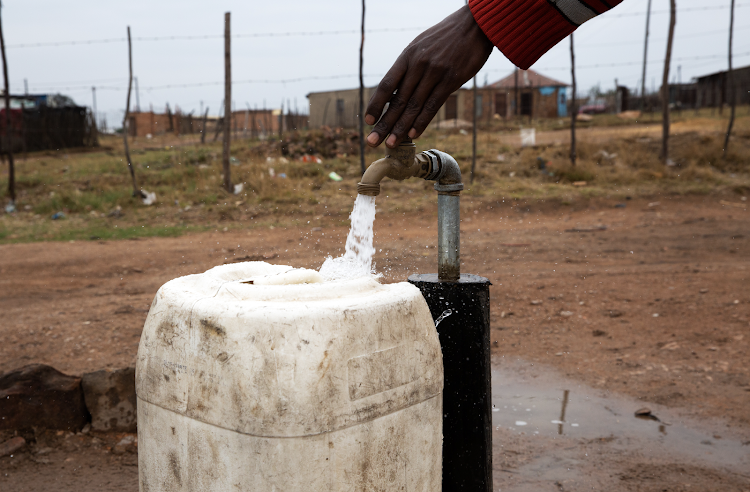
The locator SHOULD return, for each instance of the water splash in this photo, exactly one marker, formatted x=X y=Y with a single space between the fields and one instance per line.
x=357 y=260
x=445 y=314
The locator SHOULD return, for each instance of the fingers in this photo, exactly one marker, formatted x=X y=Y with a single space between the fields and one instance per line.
x=385 y=90
x=413 y=108
x=431 y=107
x=399 y=103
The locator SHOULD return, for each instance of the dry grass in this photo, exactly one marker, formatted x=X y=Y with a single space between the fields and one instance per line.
x=93 y=190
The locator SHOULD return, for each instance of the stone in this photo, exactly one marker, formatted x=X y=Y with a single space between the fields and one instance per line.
x=110 y=398
x=12 y=445
x=40 y=396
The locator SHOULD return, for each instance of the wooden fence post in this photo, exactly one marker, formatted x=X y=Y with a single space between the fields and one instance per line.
x=8 y=144
x=732 y=90
x=665 y=84
x=645 y=55
x=227 y=102
x=573 y=108
x=203 y=126
x=473 y=131
x=126 y=120
x=362 y=94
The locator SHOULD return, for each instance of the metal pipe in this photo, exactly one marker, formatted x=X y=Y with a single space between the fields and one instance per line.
x=431 y=165
x=449 y=238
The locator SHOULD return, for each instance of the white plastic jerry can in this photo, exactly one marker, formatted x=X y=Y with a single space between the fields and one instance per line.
x=258 y=377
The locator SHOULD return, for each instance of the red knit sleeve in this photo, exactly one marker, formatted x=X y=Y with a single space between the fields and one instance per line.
x=524 y=30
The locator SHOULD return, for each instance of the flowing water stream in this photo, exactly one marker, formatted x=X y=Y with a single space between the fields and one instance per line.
x=357 y=260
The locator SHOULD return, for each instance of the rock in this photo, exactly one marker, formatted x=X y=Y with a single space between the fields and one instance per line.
x=598 y=333
x=127 y=444
x=12 y=445
x=566 y=314
x=614 y=313
x=536 y=302
x=40 y=396
x=110 y=397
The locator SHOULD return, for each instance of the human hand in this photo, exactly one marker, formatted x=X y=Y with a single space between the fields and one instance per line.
x=436 y=64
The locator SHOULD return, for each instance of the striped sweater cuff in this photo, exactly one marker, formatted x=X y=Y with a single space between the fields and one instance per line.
x=524 y=30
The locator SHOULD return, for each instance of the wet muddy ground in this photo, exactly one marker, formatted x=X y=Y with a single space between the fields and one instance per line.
x=642 y=306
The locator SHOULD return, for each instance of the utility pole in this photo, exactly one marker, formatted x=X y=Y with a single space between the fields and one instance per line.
x=126 y=119
x=26 y=87
x=227 y=100
x=732 y=92
x=137 y=96
x=8 y=147
x=665 y=83
x=362 y=95
x=573 y=108
x=645 y=56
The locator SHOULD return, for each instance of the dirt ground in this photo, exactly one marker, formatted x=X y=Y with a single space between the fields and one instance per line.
x=645 y=299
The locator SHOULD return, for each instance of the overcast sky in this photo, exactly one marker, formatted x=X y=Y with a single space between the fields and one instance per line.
x=614 y=38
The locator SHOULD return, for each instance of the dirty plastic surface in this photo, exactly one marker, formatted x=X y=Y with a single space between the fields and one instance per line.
x=294 y=386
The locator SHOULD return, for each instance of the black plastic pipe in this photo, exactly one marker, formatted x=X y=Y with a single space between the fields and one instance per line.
x=462 y=312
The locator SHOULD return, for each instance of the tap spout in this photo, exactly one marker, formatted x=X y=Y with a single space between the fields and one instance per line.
x=401 y=164
x=404 y=163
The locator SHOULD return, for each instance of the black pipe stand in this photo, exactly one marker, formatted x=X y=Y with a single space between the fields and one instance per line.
x=467 y=406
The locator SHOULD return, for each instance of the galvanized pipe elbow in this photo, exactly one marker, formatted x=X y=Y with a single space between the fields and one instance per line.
x=431 y=165
x=445 y=172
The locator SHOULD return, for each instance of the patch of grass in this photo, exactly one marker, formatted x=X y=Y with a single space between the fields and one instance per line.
x=93 y=188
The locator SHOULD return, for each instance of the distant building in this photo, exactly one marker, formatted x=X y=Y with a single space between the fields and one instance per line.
x=249 y=123
x=534 y=95
x=713 y=89
x=265 y=122
x=337 y=109
x=683 y=96
x=528 y=93
x=46 y=121
x=144 y=123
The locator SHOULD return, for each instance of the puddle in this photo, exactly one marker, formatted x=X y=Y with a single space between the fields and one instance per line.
x=542 y=404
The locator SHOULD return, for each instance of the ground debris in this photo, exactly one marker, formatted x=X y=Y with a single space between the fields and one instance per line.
x=12 y=445
x=588 y=229
x=324 y=142
x=645 y=413
x=128 y=444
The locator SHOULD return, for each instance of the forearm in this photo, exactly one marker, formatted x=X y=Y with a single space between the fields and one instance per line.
x=524 y=30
